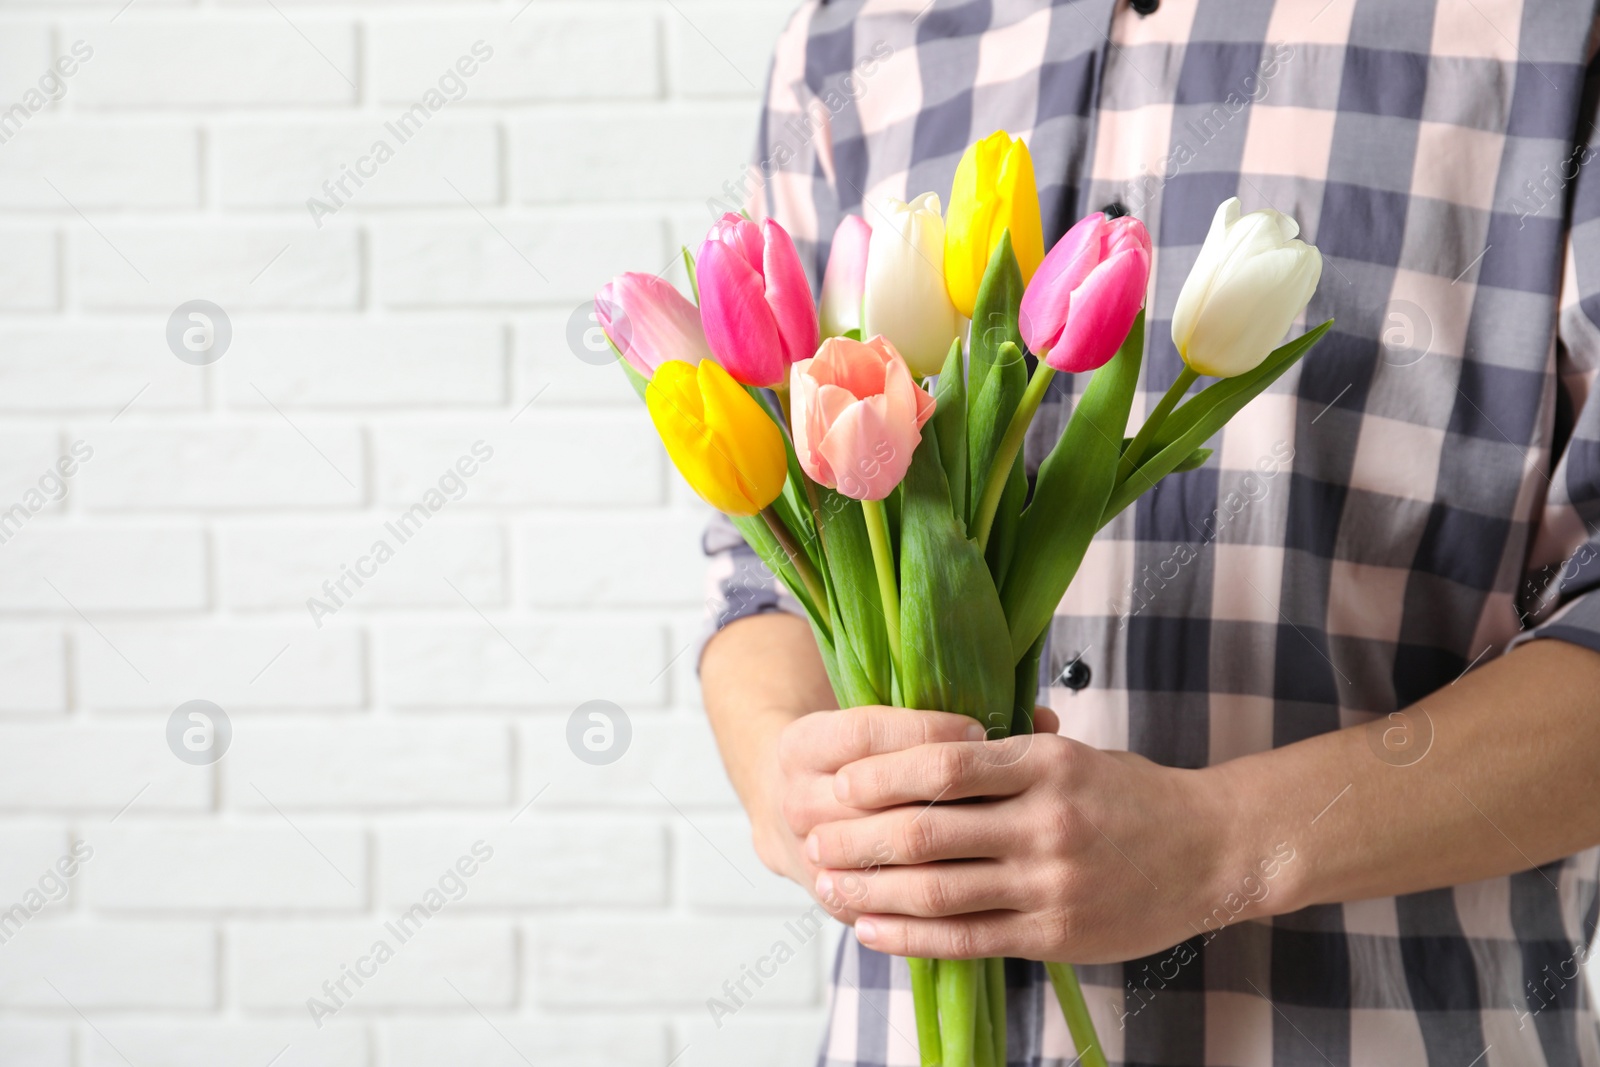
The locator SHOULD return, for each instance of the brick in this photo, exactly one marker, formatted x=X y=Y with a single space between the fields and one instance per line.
x=238 y=267
x=25 y=57
x=545 y=457
x=627 y=961
x=641 y=156
x=671 y=766
x=261 y=465
x=282 y=964
x=230 y=1044
x=33 y=669
x=28 y=855
x=721 y=872
x=548 y=367
x=511 y=262
x=28 y=466
x=542 y=55
x=99 y=164
x=96 y=768
x=751 y=1035
x=593 y=1042
x=650 y=558
x=187 y=868
x=110 y=965
x=471 y=665
x=102 y=568
x=535 y=863
x=410 y=167
x=237 y=665
x=36 y=1044
x=371 y=765
x=30 y=271
x=723 y=49
x=360 y=364
x=161 y=60
x=284 y=564
x=75 y=367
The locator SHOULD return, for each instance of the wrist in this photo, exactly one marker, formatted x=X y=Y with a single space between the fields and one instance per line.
x=1255 y=873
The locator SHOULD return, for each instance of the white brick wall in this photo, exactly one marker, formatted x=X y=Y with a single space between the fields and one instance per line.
x=424 y=310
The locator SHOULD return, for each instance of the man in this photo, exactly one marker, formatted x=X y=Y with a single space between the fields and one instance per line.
x=1321 y=795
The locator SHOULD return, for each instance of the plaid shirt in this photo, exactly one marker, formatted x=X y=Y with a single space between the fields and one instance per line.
x=1407 y=503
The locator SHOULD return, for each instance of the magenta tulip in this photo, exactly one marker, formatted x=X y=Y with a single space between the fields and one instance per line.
x=649 y=322
x=845 y=280
x=755 y=302
x=1087 y=292
x=858 y=416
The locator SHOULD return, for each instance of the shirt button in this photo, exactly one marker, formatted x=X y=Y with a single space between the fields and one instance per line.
x=1076 y=675
x=1114 y=210
x=1145 y=7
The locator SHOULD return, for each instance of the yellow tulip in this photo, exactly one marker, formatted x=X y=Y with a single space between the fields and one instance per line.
x=726 y=447
x=994 y=191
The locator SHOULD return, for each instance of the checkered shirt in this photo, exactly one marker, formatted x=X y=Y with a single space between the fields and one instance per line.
x=1414 y=498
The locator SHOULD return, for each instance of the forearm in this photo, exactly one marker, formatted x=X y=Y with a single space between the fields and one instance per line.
x=1488 y=776
x=757 y=676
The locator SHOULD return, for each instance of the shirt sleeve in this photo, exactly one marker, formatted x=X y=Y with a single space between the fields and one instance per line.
x=1560 y=593
x=788 y=182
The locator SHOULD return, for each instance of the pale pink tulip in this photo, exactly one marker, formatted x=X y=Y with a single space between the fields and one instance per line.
x=755 y=301
x=858 y=416
x=846 y=277
x=650 y=322
x=1087 y=292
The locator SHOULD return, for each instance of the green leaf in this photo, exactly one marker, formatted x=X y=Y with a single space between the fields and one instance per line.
x=757 y=536
x=950 y=420
x=1074 y=482
x=1201 y=418
x=997 y=374
x=991 y=411
x=955 y=655
x=1003 y=534
x=859 y=627
x=694 y=279
x=1027 y=686
x=1194 y=461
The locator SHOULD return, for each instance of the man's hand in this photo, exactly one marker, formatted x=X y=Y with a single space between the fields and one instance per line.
x=1026 y=866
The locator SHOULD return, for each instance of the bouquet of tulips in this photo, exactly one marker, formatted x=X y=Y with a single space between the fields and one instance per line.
x=871 y=455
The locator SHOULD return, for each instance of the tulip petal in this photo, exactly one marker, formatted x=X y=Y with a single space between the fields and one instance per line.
x=846 y=277
x=739 y=326
x=746 y=435
x=1103 y=310
x=868 y=453
x=788 y=294
x=1248 y=316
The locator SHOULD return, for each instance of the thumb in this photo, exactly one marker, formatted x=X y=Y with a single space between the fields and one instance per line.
x=1045 y=720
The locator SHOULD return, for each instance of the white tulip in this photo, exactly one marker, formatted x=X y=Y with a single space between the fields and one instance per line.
x=1252 y=279
x=906 y=299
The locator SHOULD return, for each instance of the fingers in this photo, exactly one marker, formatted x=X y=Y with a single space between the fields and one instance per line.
x=947 y=772
x=967 y=937
x=827 y=740
x=1045 y=720
x=929 y=890
x=913 y=834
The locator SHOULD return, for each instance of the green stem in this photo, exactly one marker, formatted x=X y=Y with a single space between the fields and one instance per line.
x=888 y=584
x=925 y=999
x=1010 y=445
x=1070 y=996
x=996 y=988
x=1147 y=432
x=983 y=1038
x=958 y=1005
x=801 y=562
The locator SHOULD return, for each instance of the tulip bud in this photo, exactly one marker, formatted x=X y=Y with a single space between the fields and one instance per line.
x=906 y=299
x=755 y=301
x=726 y=447
x=650 y=322
x=1251 y=280
x=845 y=278
x=994 y=191
x=1089 y=289
x=858 y=416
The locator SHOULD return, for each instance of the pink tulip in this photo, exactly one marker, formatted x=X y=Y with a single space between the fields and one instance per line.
x=846 y=277
x=858 y=416
x=1087 y=292
x=755 y=301
x=650 y=322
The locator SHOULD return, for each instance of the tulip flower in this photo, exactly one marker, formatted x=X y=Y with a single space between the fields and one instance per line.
x=994 y=191
x=858 y=416
x=1251 y=280
x=906 y=299
x=1087 y=292
x=726 y=447
x=650 y=322
x=755 y=301
x=845 y=278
